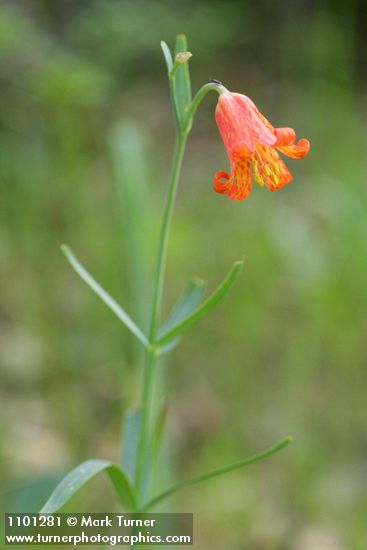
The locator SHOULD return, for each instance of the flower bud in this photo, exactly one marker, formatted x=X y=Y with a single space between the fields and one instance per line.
x=182 y=57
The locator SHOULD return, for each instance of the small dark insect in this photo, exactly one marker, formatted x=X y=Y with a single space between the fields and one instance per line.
x=215 y=81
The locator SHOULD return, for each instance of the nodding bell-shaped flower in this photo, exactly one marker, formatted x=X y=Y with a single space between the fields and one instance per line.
x=252 y=144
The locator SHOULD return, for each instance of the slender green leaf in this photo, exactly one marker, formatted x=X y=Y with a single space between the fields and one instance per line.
x=81 y=475
x=130 y=443
x=104 y=296
x=182 y=84
x=167 y=56
x=202 y=310
x=218 y=472
x=186 y=305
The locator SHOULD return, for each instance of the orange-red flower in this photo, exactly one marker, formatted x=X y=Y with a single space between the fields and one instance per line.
x=252 y=143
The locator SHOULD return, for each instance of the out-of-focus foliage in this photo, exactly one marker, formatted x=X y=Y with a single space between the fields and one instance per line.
x=85 y=141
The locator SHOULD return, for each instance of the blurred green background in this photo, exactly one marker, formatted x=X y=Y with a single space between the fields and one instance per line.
x=85 y=142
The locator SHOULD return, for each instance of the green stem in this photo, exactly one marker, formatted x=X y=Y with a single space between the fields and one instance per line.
x=164 y=233
x=210 y=87
x=143 y=462
x=174 y=100
x=150 y=357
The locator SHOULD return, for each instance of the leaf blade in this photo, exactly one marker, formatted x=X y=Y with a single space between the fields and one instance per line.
x=205 y=308
x=104 y=296
x=167 y=56
x=219 y=471
x=182 y=83
x=189 y=300
x=78 y=477
x=185 y=305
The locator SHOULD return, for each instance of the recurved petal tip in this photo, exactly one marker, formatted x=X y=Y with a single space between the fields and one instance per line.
x=297 y=150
